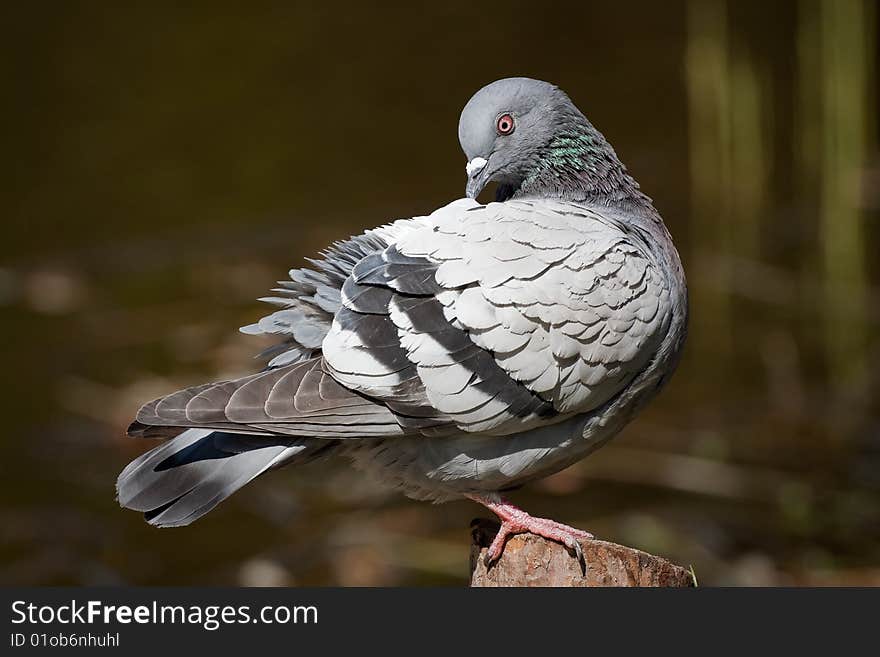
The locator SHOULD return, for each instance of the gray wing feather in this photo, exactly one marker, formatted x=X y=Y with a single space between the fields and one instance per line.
x=567 y=299
x=397 y=341
x=310 y=299
x=297 y=399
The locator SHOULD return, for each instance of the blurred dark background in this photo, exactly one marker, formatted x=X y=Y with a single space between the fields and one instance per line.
x=163 y=167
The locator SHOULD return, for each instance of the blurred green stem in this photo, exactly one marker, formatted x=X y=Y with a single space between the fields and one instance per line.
x=706 y=65
x=729 y=155
x=847 y=34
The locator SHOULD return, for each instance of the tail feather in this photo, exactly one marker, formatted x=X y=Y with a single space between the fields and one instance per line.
x=184 y=478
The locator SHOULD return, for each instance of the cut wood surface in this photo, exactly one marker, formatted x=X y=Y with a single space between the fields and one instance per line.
x=530 y=560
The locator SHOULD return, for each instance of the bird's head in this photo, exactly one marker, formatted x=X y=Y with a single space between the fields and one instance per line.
x=529 y=137
x=506 y=126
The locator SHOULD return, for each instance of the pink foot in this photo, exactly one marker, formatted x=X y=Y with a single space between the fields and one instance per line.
x=516 y=521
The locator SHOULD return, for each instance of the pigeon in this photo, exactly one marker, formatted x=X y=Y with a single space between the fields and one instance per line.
x=461 y=354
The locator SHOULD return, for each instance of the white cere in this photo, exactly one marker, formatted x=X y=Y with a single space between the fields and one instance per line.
x=475 y=166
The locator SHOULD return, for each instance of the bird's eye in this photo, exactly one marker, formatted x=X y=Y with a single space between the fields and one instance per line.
x=504 y=125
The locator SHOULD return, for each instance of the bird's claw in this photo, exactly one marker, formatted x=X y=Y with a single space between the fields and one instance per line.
x=496 y=549
x=574 y=545
x=571 y=541
x=516 y=521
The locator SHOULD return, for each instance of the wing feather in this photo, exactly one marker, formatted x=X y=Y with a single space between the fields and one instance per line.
x=488 y=319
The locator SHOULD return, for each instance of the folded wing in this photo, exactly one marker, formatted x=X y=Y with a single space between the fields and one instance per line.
x=486 y=319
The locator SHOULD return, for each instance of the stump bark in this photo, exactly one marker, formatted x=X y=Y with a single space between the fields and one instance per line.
x=530 y=560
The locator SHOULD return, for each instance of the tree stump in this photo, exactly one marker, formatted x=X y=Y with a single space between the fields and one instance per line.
x=530 y=560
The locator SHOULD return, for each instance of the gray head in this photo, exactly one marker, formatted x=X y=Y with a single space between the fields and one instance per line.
x=528 y=136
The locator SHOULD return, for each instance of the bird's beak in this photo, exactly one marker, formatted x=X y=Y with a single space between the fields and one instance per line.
x=478 y=176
